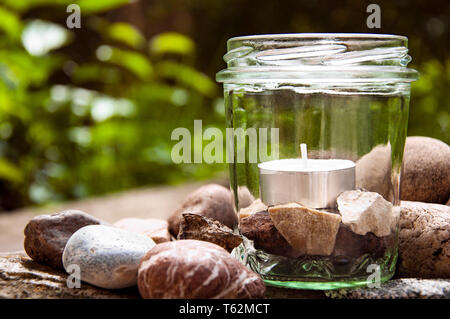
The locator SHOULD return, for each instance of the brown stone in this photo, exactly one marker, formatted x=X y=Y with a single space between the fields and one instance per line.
x=351 y=245
x=156 y=229
x=212 y=201
x=259 y=228
x=198 y=227
x=426 y=170
x=47 y=235
x=193 y=269
x=245 y=198
x=424 y=240
x=373 y=171
x=255 y=207
x=308 y=231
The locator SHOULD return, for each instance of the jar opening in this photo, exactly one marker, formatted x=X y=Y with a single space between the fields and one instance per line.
x=317 y=56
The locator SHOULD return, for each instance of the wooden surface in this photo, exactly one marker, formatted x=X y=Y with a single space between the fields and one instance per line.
x=21 y=277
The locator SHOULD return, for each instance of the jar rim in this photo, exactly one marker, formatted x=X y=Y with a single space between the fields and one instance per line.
x=325 y=35
x=322 y=57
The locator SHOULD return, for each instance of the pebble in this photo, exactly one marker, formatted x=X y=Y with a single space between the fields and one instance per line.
x=47 y=235
x=193 y=269
x=108 y=257
x=426 y=170
x=424 y=240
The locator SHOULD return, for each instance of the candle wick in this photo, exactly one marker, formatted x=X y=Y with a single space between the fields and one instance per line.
x=304 y=152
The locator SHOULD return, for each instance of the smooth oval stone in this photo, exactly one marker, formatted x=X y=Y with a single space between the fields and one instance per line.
x=108 y=257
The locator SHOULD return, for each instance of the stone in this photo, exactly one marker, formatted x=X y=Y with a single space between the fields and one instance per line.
x=108 y=257
x=24 y=278
x=366 y=212
x=424 y=240
x=245 y=198
x=426 y=170
x=308 y=231
x=407 y=288
x=47 y=235
x=193 y=269
x=260 y=228
x=255 y=207
x=212 y=201
x=198 y=227
x=351 y=245
x=373 y=172
x=156 y=229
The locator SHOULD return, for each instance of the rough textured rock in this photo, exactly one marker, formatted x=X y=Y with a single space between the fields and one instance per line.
x=398 y=289
x=373 y=171
x=307 y=230
x=366 y=212
x=156 y=229
x=259 y=228
x=424 y=240
x=255 y=207
x=21 y=277
x=191 y=269
x=198 y=227
x=351 y=245
x=245 y=198
x=426 y=170
x=212 y=201
x=47 y=235
x=108 y=257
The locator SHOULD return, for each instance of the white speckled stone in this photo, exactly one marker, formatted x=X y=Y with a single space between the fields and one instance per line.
x=108 y=257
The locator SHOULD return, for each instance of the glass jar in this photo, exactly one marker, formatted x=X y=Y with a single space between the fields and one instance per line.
x=316 y=131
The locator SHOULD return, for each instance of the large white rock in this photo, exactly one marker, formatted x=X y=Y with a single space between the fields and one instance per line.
x=108 y=257
x=366 y=212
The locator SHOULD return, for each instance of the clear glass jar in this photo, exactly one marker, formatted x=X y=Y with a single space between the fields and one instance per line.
x=323 y=215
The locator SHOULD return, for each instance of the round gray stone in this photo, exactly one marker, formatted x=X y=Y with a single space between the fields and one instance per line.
x=107 y=257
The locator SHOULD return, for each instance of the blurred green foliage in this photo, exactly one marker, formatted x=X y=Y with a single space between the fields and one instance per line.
x=74 y=126
x=91 y=110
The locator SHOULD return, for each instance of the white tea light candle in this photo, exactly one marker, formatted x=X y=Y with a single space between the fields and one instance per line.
x=315 y=183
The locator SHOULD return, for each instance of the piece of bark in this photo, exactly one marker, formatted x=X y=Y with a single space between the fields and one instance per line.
x=308 y=231
x=198 y=227
x=260 y=228
x=366 y=212
x=212 y=201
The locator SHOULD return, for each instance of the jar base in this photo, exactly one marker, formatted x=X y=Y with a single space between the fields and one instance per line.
x=303 y=284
